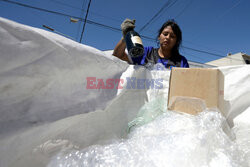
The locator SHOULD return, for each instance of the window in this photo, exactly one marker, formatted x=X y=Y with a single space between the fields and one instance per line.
x=247 y=61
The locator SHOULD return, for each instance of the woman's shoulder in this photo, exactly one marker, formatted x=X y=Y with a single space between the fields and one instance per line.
x=184 y=61
x=183 y=57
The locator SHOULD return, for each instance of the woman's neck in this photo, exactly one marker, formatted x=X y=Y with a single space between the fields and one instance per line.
x=164 y=53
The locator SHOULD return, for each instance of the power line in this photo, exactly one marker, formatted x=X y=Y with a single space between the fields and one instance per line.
x=167 y=4
x=53 y=30
x=227 y=11
x=201 y=51
x=214 y=54
x=85 y=21
x=196 y=50
x=82 y=10
x=182 y=11
x=205 y=47
x=41 y=9
x=197 y=57
x=62 y=14
x=109 y=27
x=68 y=5
x=79 y=26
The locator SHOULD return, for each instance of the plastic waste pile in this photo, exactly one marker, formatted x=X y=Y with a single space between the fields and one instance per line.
x=172 y=139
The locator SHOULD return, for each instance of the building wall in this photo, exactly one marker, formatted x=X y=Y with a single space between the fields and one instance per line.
x=230 y=60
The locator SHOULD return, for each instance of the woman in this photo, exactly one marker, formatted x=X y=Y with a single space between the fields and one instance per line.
x=169 y=37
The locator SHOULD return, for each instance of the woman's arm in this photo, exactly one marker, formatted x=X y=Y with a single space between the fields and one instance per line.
x=119 y=51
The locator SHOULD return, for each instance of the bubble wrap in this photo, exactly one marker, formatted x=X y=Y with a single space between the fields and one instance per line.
x=171 y=140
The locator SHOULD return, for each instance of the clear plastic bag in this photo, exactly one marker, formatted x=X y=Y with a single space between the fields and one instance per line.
x=168 y=139
x=148 y=113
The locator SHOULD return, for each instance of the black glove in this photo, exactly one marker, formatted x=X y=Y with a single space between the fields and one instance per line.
x=126 y=26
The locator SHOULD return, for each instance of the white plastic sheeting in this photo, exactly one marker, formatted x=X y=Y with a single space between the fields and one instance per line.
x=45 y=105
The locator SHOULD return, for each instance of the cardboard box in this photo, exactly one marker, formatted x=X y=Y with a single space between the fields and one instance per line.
x=191 y=90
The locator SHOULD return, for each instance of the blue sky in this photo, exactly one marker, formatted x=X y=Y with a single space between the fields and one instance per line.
x=217 y=27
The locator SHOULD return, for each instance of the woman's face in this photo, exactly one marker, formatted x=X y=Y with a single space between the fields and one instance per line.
x=167 y=38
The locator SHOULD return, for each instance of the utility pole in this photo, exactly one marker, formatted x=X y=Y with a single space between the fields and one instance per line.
x=85 y=20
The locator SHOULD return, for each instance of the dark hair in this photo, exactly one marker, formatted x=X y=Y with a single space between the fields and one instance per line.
x=177 y=32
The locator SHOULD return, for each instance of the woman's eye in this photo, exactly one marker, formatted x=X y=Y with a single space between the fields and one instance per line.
x=172 y=36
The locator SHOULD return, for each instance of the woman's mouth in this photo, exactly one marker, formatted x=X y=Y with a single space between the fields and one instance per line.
x=165 y=42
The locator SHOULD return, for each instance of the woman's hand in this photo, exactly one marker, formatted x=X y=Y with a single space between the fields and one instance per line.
x=127 y=25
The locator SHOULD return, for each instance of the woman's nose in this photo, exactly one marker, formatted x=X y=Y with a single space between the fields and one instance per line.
x=167 y=36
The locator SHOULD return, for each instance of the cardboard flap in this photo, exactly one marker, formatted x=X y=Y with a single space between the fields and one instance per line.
x=190 y=105
x=199 y=83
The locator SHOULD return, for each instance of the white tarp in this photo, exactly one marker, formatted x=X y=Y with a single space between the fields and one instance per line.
x=46 y=102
